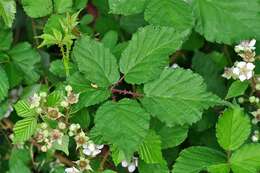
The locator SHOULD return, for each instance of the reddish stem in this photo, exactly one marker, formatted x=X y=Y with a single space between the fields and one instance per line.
x=125 y=92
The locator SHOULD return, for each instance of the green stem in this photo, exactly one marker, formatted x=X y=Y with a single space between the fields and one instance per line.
x=65 y=59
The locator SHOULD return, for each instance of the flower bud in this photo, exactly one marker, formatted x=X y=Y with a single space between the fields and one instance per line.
x=43 y=94
x=241 y=100
x=64 y=104
x=44 y=148
x=68 y=88
x=61 y=125
x=252 y=99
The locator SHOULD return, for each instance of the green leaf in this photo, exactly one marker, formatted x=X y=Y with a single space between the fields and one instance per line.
x=211 y=71
x=4 y=108
x=6 y=37
x=57 y=68
x=152 y=168
x=24 y=129
x=227 y=21
x=220 y=168
x=19 y=160
x=82 y=118
x=62 y=6
x=246 y=159
x=110 y=39
x=132 y=23
x=54 y=99
x=117 y=155
x=37 y=8
x=196 y=159
x=172 y=100
x=237 y=88
x=25 y=57
x=178 y=12
x=88 y=94
x=23 y=109
x=233 y=128
x=126 y=7
x=64 y=146
x=96 y=62
x=79 y=4
x=13 y=73
x=4 y=84
x=7 y=11
x=171 y=136
x=148 y=53
x=128 y=124
x=150 y=150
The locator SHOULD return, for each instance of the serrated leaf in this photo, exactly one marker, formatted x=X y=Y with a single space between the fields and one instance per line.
x=4 y=84
x=7 y=11
x=150 y=149
x=88 y=94
x=246 y=159
x=96 y=62
x=128 y=124
x=237 y=88
x=227 y=21
x=178 y=12
x=57 y=68
x=64 y=146
x=37 y=8
x=23 y=109
x=54 y=99
x=233 y=128
x=152 y=168
x=25 y=57
x=172 y=100
x=82 y=118
x=126 y=7
x=62 y=6
x=19 y=161
x=110 y=39
x=24 y=129
x=196 y=159
x=148 y=53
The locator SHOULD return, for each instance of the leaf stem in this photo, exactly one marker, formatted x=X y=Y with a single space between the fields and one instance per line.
x=125 y=92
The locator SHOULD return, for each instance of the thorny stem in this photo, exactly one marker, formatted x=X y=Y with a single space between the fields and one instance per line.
x=65 y=58
x=125 y=92
x=102 y=164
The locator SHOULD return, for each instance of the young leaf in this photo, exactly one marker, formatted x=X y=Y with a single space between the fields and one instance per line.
x=172 y=99
x=37 y=8
x=227 y=21
x=7 y=11
x=126 y=7
x=148 y=53
x=246 y=159
x=233 y=128
x=196 y=159
x=4 y=84
x=55 y=98
x=23 y=109
x=96 y=62
x=237 y=88
x=25 y=57
x=178 y=12
x=124 y=124
x=150 y=149
x=24 y=129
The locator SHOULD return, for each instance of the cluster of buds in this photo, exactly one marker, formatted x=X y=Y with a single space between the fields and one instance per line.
x=130 y=166
x=243 y=70
x=255 y=136
x=71 y=97
x=46 y=136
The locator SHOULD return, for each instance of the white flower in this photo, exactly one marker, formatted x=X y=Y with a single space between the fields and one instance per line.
x=256 y=115
x=255 y=137
x=53 y=113
x=73 y=129
x=81 y=139
x=44 y=148
x=56 y=135
x=132 y=165
x=71 y=170
x=68 y=88
x=62 y=125
x=90 y=149
x=246 y=45
x=243 y=70
x=34 y=101
x=228 y=73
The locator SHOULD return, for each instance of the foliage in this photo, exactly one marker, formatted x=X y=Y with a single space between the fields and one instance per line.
x=116 y=86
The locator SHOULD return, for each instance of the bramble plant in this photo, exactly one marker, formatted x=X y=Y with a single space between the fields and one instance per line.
x=122 y=86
